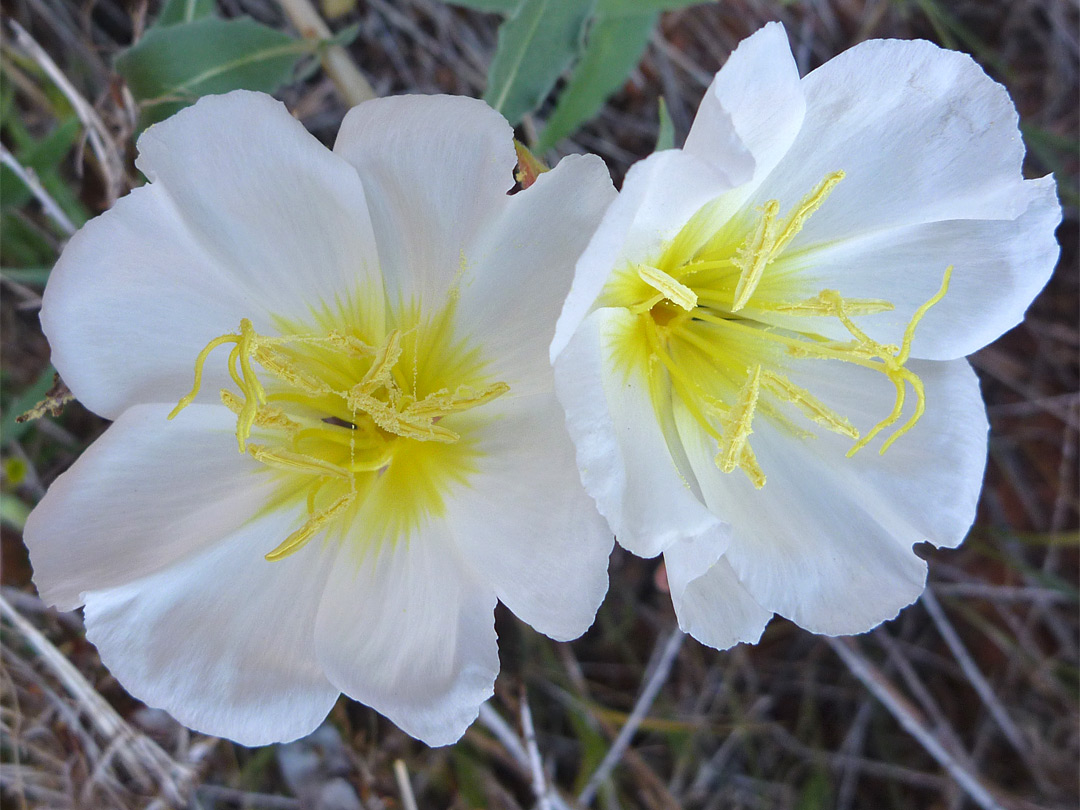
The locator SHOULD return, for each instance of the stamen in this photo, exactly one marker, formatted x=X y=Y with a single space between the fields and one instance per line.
x=807 y=206
x=755 y=254
x=673 y=290
x=820 y=306
x=737 y=426
x=266 y=417
x=351 y=344
x=381 y=371
x=278 y=365
x=442 y=403
x=810 y=405
x=295 y=462
x=298 y=539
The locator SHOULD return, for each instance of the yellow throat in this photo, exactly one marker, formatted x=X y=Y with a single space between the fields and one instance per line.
x=367 y=414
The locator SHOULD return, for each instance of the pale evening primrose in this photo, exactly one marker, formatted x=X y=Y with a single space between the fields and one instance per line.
x=373 y=452
x=764 y=311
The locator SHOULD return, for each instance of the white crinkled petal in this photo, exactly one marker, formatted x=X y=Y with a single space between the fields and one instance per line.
x=247 y=215
x=712 y=606
x=526 y=525
x=409 y=629
x=519 y=272
x=752 y=111
x=659 y=195
x=223 y=640
x=437 y=170
x=622 y=451
x=145 y=495
x=999 y=266
x=828 y=541
x=922 y=133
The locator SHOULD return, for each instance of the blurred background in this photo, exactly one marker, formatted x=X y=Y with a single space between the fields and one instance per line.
x=968 y=700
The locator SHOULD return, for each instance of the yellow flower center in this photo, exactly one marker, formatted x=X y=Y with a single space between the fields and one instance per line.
x=702 y=333
x=365 y=417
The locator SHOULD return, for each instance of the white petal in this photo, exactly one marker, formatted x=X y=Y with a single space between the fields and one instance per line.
x=922 y=133
x=827 y=542
x=410 y=631
x=624 y=456
x=526 y=525
x=999 y=267
x=659 y=195
x=752 y=111
x=224 y=641
x=520 y=270
x=436 y=170
x=247 y=215
x=147 y=493
x=713 y=606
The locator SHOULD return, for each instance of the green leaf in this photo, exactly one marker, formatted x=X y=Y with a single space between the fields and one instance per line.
x=183 y=11
x=498 y=6
x=614 y=48
x=535 y=46
x=665 y=137
x=623 y=8
x=171 y=67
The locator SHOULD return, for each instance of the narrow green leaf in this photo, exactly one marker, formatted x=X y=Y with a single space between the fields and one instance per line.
x=622 y=8
x=171 y=67
x=535 y=46
x=497 y=6
x=182 y=11
x=665 y=138
x=614 y=48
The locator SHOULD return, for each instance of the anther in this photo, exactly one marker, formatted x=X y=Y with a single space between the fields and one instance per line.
x=672 y=289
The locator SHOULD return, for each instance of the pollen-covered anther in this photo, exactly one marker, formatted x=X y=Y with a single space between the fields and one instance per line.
x=736 y=429
x=670 y=288
x=816 y=410
x=295 y=462
x=822 y=305
x=298 y=539
x=770 y=238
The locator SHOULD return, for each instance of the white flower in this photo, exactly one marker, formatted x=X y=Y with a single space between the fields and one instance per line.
x=799 y=281
x=377 y=320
